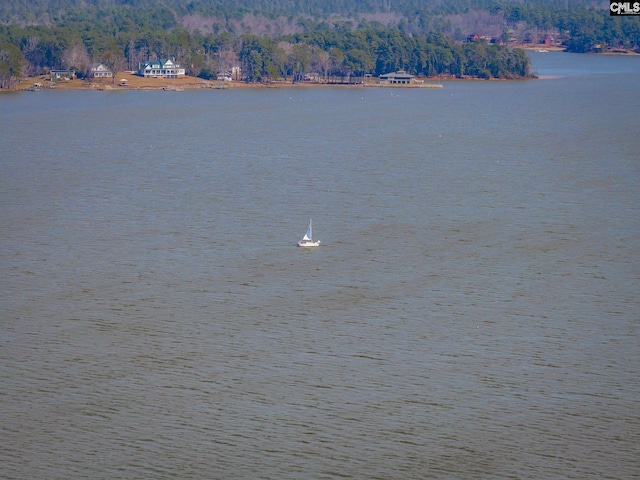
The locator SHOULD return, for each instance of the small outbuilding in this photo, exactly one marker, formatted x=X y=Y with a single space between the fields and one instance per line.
x=62 y=75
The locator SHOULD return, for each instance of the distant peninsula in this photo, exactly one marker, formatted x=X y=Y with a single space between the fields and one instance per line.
x=291 y=42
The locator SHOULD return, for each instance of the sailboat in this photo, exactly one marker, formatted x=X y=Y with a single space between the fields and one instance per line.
x=307 y=240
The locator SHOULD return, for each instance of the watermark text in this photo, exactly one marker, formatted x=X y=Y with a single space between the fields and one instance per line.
x=623 y=8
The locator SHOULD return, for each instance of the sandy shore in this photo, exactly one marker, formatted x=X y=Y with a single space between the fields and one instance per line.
x=130 y=81
x=557 y=48
x=540 y=46
x=123 y=81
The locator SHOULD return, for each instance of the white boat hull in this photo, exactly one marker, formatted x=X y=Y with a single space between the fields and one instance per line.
x=309 y=243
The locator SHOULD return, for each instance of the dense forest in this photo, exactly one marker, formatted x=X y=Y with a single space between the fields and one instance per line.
x=287 y=38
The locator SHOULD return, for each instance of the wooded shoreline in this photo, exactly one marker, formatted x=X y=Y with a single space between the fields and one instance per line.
x=131 y=81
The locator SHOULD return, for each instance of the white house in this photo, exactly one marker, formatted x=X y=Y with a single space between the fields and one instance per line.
x=161 y=68
x=98 y=70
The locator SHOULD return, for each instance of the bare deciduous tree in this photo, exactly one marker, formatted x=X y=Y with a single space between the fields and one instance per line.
x=227 y=60
x=321 y=61
x=114 y=62
x=76 y=57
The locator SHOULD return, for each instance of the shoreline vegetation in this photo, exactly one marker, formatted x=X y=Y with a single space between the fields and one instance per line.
x=265 y=42
x=431 y=59
x=129 y=80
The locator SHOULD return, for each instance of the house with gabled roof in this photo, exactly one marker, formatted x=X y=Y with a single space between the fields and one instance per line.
x=397 y=78
x=98 y=70
x=164 y=68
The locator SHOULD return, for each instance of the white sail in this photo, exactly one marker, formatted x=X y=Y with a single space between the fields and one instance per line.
x=309 y=234
x=307 y=240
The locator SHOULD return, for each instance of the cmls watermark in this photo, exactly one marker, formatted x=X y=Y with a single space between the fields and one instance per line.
x=623 y=8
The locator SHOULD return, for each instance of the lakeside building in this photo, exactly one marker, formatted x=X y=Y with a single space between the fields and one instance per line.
x=161 y=68
x=62 y=75
x=225 y=76
x=98 y=70
x=398 y=78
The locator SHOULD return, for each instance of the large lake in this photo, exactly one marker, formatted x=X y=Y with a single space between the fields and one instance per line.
x=473 y=311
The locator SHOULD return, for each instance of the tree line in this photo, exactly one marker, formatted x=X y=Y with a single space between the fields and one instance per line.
x=283 y=38
x=331 y=50
x=337 y=50
x=52 y=11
